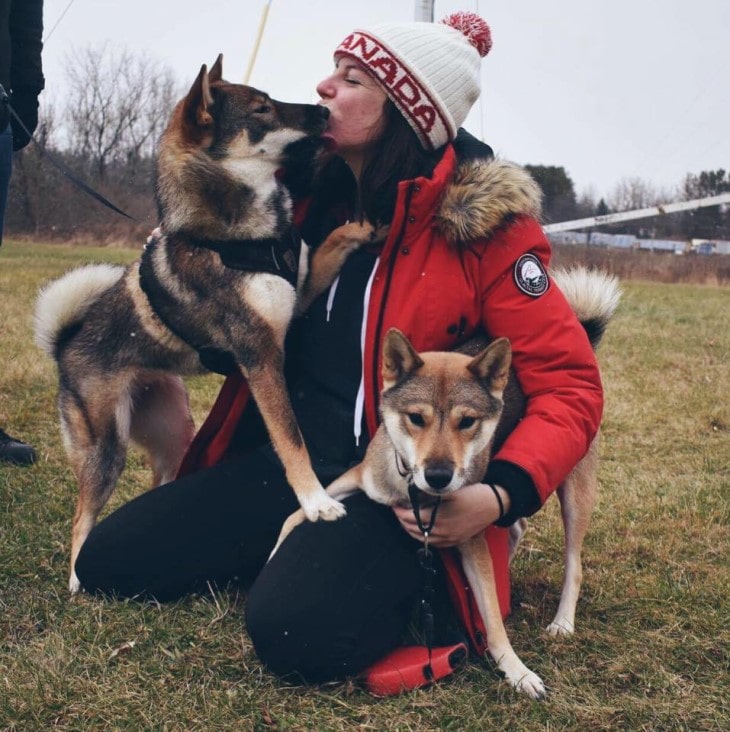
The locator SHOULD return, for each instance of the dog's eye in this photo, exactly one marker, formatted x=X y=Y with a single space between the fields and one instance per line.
x=466 y=422
x=416 y=419
x=263 y=109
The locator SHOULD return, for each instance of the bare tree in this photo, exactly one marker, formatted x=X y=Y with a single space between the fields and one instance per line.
x=34 y=182
x=105 y=130
x=632 y=193
x=117 y=104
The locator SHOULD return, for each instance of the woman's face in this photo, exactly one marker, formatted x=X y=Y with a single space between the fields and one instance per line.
x=357 y=107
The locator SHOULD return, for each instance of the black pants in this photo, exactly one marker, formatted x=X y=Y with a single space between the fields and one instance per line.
x=336 y=596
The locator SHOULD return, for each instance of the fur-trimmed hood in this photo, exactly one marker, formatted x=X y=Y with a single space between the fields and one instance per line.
x=482 y=195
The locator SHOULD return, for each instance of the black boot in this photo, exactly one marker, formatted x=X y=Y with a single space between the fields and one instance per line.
x=15 y=451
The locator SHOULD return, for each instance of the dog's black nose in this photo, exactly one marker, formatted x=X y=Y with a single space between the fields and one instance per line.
x=324 y=111
x=438 y=477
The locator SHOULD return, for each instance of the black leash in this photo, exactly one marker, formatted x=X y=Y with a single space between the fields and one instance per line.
x=5 y=99
x=425 y=559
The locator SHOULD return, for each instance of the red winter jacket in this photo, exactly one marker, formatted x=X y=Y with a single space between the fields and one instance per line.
x=448 y=269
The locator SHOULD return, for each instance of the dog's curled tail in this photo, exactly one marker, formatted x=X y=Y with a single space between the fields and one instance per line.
x=64 y=302
x=593 y=295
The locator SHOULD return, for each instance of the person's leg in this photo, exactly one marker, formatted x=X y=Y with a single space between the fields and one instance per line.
x=212 y=526
x=336 y=596
x=6 y=169
x=12 y=451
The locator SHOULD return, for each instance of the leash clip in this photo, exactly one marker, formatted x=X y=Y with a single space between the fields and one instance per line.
x=414 y=495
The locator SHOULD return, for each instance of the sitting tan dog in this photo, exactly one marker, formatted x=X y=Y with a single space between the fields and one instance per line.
x=441 y=416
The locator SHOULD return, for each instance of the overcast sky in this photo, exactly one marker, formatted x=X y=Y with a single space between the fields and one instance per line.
x=609 y=89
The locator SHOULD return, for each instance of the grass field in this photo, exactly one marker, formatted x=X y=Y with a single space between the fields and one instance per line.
x=651 y=648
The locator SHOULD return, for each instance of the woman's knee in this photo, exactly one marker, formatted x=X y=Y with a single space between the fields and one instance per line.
x=109 y=565
x=318 y=645
x=329 y=603
x=287 y=640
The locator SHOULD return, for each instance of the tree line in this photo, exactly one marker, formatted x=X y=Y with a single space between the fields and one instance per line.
x=105 y=131
x=116 y=105
x=562 y=204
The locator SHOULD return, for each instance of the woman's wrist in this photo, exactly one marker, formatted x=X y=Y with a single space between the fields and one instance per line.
x=503 y=499
x=518 y=485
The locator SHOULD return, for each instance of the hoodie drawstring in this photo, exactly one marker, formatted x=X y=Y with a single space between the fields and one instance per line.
x=331 y=297
x=360 y=400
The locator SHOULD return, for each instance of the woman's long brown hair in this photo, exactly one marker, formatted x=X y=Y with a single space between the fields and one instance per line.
x=397 y=156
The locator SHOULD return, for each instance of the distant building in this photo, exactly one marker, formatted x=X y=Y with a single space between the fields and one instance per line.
x=663 y=245
x=626 y=241
x=710 y=246
x=568 y=237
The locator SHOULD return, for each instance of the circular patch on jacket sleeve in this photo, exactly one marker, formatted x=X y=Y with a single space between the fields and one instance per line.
x=530 y=275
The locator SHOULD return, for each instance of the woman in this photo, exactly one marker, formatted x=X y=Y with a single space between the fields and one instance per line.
x=465 y=252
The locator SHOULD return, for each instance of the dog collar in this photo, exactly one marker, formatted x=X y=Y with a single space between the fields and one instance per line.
x=271 y=256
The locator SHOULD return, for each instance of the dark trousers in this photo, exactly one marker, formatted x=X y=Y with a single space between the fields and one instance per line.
x=6 y=169
x=335 y=598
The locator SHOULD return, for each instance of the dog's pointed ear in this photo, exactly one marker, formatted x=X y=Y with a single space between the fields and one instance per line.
x=199 y=100
x=216 y=70
x=491 y=366
x=399 y=358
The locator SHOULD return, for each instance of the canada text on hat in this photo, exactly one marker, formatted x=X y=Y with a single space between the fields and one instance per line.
x=429 y=70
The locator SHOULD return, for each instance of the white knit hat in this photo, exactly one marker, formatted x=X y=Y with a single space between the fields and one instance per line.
x=429 y=70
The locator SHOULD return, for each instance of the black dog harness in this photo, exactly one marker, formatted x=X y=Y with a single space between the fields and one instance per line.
x=270 y=256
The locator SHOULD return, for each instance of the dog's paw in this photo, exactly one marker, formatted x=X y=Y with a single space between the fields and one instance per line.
x=74 y=586
x=521 y=678
x=560 y=627
x=359 y=233
x=379 y=232
x=530 y=684
x=322 y=507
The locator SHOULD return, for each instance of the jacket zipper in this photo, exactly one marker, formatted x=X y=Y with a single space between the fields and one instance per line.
x=381 y=313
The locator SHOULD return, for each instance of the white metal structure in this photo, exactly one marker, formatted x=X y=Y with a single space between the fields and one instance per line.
x=641 y=213
x=257 y=42
x=424 y=11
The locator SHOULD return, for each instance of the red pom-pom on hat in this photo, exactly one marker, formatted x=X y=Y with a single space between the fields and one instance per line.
x=475 y=29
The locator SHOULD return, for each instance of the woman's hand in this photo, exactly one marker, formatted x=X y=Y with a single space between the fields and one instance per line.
x=462 y=514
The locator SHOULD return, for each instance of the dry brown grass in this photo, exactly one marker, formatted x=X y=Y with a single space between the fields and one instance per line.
x=651 y=648
x=638 y=264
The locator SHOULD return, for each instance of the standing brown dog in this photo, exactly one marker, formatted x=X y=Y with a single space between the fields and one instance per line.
x=217 y=289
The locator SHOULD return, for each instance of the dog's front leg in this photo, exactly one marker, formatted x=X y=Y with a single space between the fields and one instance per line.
x=516 y=534
x=329 y=257
x=266 y=381
x=477 y=563
x=340 y=489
